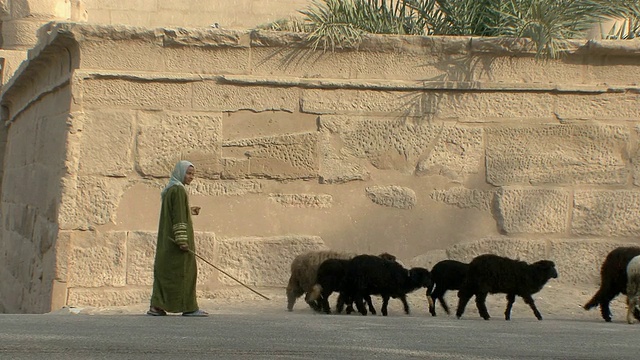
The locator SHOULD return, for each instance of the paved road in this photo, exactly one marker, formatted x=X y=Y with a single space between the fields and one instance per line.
x=305 y=335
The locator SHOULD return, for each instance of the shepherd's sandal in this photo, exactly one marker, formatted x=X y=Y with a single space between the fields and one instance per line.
x=197 y=313
x=156 y=312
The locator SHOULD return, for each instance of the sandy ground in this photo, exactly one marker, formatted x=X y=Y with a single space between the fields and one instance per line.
x=555 y=301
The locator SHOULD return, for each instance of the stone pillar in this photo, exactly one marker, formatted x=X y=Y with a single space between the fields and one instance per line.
x=22 y=19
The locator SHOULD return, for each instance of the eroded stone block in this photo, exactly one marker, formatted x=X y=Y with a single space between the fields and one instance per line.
x=97 y=259
x=303 y=200
x=557 y=154
x=529 y=250
x=362 y=101
x=606 y=213
x=263 y=261
x=532 y=210
x=160 y=134
x=392 y=196
x=121 y=93
x=211 y=96
x=465 y=198
x=107 y=143
x=102 y=297
x=458 y=152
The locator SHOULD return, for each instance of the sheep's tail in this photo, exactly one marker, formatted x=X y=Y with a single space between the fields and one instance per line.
x=315 y=292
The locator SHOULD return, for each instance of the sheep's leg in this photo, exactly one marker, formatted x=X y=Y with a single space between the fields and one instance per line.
x=463 y=299
x=439 y=294
x=631 y=305
x=602 y=297
x=324 y=301
x=511 y=298
x=481 y=298
x=359 y=304
x=294 y=291
x=529 y=300
x=431 y=300
x=340 y=305
x=385 y=302
x=405 y=305
x=372 y=310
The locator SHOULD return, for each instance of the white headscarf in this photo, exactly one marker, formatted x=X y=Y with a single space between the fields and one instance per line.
x=177 y=176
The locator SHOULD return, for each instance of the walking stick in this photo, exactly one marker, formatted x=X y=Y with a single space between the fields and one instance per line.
x=222 y=271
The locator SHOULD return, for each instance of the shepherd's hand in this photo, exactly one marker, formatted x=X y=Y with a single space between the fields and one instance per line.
x=184 y=247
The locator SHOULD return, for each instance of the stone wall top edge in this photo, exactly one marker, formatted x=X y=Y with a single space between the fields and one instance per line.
x=204 y=36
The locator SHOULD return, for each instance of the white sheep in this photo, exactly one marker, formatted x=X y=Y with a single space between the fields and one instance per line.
x=633 y=287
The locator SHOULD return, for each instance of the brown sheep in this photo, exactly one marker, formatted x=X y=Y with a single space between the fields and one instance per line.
x=304 y=270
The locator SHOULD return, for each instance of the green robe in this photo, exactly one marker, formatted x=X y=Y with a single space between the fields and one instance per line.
x=174 y=270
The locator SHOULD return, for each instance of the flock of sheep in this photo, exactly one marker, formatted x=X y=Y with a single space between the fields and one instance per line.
x=356 y=278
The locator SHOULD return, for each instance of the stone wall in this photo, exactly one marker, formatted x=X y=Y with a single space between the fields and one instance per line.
x=424 y=147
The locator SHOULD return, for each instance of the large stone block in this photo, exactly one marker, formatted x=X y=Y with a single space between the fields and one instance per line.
x=213 y=96
x=557 y=154
x=613 y=70
x=465 y=198
x=599 y=106
x=528 y=70
x=122 y=55
x=289 y=156
x=102 y=297
x=532 y=210
x=226 y=187
x=96 y=201
x=117 y=93
x=209 y=60
x=341 y=101
x=303 y=200
x=97 y=259
x=141 y=251
x=606 y=213
x=578 y=261
x=107 y=143
x=529 y=250
x=392 y=196
x=336 y=167
x=195 y=134
x=386 y=143
x=458 y=152
x=263 y=261
x=489 y=106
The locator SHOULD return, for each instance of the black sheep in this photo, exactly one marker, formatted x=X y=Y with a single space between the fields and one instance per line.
x=613 y=280
x=330 y=277
x=446 y=275
x=492 y=274
x=371 y=275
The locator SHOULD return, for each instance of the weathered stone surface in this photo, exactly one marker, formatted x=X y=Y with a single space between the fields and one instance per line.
x=303 y=200
x=96 y=201
x=107 y=143
x=212 y=96
x=605 y=106
x=606 y=213
x=528 y=250
x=263 y=261
x=578 y=261
x=97 y=259
x=242 y=125
x=108 y=296
x=291 y=156
x=121 y=93
x=428 y=260
x=361 y=101
x=458 y=152
x=123 y=56
x=465 y=198
x=386 y=142
x=160 y=134
x=141 y=251
x=336 y=167
x=542 y=155
x=225 y=187
x=521 y=69
x=532 y=210
x=635 y=159
x=489 y=106
x=392 y=196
